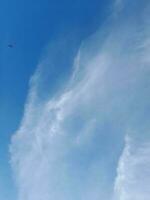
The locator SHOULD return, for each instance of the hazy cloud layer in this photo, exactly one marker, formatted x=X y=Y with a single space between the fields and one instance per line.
x=72 y=146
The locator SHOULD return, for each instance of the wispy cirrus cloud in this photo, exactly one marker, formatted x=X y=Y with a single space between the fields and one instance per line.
x=134 y=171
x=69 y=146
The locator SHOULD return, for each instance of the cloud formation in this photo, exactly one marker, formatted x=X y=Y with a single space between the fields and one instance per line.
x=71 y=146
x=134 y=171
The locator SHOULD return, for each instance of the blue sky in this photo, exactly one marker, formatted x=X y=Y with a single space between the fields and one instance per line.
x=81 y=71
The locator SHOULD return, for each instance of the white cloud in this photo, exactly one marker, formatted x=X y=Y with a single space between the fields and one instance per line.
x=68 y=146
x=133 y=177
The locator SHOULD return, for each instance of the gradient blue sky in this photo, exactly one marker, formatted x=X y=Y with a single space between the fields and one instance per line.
x=84 y=133
x=30 y=26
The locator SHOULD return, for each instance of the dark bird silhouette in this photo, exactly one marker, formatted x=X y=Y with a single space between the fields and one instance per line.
x=10 y=45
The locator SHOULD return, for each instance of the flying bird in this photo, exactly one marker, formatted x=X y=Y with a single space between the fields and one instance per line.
x=10 y=45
